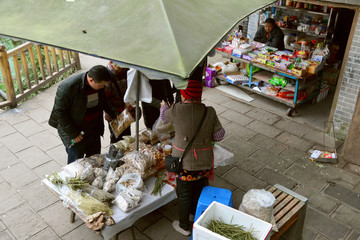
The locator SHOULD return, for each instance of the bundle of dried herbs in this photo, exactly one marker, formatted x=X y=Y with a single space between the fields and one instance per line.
x=55 y=179
x=99 y=194
x=76 y=183
x=159 y=183
x=88 y=204
x=230 y=231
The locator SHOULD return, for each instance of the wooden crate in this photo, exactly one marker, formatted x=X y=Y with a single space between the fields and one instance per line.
x=289 y=212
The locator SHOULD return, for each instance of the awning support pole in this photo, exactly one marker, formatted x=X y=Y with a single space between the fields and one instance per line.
x=137 y=112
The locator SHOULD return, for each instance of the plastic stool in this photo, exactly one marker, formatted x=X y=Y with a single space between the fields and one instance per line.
x=210 y=194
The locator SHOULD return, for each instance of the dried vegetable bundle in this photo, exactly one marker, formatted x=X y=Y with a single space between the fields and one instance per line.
x=88 y=204
x=76 y=183
x=159 y=183
x=230 y=231
x=99 y=194
x=55 y=179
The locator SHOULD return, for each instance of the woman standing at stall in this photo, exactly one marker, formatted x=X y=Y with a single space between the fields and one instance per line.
x=270 y=34
x=199 y=162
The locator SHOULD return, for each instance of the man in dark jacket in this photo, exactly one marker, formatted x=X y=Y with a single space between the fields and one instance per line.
x=78 y=112
x=270 y=34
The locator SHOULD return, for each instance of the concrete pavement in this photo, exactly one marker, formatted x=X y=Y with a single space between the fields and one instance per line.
x=269 y=148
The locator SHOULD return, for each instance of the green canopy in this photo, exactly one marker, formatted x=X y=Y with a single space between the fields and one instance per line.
x=168 y=36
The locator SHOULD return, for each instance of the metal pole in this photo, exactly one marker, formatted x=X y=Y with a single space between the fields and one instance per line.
x=137 y=112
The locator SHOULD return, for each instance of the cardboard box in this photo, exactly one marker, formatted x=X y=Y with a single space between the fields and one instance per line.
x=330 y=76
x=238 y=76
x=228 y=49
x=218 y=210
x=298 y=72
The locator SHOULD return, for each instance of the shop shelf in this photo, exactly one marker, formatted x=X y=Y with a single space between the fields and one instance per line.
x=302 y=9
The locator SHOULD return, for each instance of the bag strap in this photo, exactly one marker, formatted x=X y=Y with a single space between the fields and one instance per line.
x=192 y=140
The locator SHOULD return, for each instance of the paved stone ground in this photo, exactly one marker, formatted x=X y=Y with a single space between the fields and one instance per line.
x=268 y=148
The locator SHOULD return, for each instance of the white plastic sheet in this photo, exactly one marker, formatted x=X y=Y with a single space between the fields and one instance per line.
x=135 y=77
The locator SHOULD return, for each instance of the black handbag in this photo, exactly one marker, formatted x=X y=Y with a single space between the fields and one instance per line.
x=174 y=164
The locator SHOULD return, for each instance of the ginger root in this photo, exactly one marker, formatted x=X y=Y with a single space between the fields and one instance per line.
x=97 y=221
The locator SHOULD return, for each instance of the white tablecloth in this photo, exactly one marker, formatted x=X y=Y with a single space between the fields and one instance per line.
x=149 y=202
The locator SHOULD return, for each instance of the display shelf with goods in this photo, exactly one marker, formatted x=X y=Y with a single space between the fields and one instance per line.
x=305 y=86
x=298 y=22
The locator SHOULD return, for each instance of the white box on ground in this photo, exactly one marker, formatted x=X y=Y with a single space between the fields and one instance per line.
x=218 y=210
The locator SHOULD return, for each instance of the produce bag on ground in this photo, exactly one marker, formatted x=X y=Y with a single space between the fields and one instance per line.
x=259 y=203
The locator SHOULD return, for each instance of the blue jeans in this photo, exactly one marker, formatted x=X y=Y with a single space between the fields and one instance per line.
x=87 y=147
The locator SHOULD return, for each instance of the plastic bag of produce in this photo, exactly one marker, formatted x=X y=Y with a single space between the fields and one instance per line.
x=98 y=182
x=138 y=160
x=128 y=199
x=99 y=172
x=162 y=129
x=148 y=136
x=122 y=122
x=259 y=203
x=109 y=185
x=88 y=174
x=130 y=180
x=74 y=169
x=125 y=169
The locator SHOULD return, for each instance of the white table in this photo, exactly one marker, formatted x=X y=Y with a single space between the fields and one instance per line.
x=149 y=202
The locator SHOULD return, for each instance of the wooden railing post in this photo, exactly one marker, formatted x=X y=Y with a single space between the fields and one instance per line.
x=6 y=72
x=77 y=60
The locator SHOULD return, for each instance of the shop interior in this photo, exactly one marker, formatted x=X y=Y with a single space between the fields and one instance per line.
x=306 y=27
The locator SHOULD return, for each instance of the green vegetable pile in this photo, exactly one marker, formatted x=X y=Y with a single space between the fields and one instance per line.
x=159 y=183
x=55 y=179
x=76 y=183
x=230 y=231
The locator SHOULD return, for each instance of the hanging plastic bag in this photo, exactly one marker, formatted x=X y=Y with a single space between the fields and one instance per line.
x=121 y=123
x=162 y=129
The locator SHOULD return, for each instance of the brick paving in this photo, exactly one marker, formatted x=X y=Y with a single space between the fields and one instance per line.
x=269 y=149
